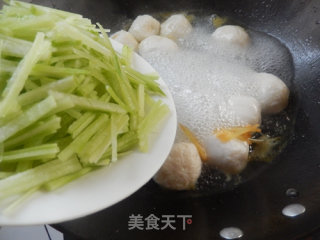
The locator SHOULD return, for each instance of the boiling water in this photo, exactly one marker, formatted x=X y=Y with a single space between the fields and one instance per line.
x=203 y=74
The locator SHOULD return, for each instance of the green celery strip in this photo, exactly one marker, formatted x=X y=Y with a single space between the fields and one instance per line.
x=57 y=72
x=126 y=55
x=5 y=174
x=30 y=85
x=147 y=79
x=59 y=182
x=99 y=144
x=74 y=113
x=24 y=165
x=27 y=118
x=94 y=60
x=8 y=66
x=79 y=142
x=16 y=82
x=141 y=100
x=66 y=30
x=93 y=151
x=44 y=10
x=126 y=142
x=33 y=153
x=79 y=125
x=15 y=47
x=24 y=181
x=65 y=85
x=42 y=128
x=125 y=87
x=157 y=112
x=63 y=104
x=1 y=151
x=89 y=104
x=114 y=135
x=18 y=202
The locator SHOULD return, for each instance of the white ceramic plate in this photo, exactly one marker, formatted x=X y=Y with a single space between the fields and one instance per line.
x=105 y=187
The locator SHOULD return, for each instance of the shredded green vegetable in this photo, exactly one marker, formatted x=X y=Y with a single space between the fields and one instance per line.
x=69 y=103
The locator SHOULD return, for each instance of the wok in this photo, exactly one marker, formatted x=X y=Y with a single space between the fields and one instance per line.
x=255 y=205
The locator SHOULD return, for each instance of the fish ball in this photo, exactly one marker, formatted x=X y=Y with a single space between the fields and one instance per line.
x=232 y=34
x=242 y=111
x=181 y=169
x=272 y=93
x=155 y=45
x=144 y=26
x=175 y=27
x=229 y=157
x=126 y=38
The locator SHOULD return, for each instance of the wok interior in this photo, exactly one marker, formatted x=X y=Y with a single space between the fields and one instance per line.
x=256 y=205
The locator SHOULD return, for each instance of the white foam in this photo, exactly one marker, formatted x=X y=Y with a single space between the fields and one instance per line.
x=204 y=74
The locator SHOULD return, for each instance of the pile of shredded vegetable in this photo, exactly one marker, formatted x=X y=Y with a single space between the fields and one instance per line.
x=69 y=103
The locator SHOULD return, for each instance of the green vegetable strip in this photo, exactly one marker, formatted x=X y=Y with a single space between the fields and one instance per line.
x=99 y=143
x=16 y=82
x=40 y=70
x=74 y=113
x=5 y=174
x=94 y=60
x=59 y=182
x=63 y=104
x=65 y=85
x=127 y=55
x=152 y=119
x=116 y=98
x=30 y=85
x=8 y=66
x=27 y=118
x=11 y=11
x=1 y=151
x=22 y=182
x=125 y=87
x=1 y=46
x=126 y=142
x=90 y=104
x=64 y=58
x=45 y=128
x=148 y=80
x=44 y=10
x=24 y=165
x=86 y=89
x=34 y=24
x=15 y=47
x=114 y=135
x=78 y=126
x=32 y=153
x=83 y=138
x=19 y=201
x=141 y=100
x=67 y=30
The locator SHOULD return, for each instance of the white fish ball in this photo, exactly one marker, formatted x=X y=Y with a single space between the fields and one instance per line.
x=181 y=169
x=126 y=38
x=144 y=26
x=242 y=111
x=229 y=157
x=271 y=92
x=156 y=45
x=175 y=27
x=232 y=34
